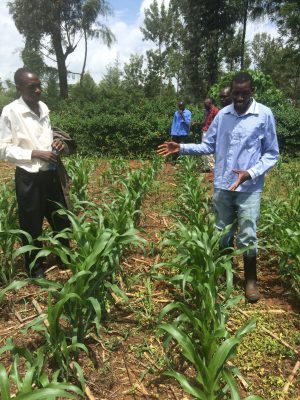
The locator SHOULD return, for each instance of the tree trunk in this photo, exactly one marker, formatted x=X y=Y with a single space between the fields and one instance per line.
x=160 y=69
x=213 y=59
x=61 y=65
x=244 y=34
x=85 y=57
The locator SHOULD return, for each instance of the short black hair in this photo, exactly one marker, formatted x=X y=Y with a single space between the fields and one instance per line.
x=19 y=75
x=211 y=99
x=242 y=77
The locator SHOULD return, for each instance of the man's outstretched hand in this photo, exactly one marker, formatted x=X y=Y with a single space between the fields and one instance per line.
x=242 y=177
x=168 y=148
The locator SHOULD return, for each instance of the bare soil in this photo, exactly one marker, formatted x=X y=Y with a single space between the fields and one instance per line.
x=127 y=361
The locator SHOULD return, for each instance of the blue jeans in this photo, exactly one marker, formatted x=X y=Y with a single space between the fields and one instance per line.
x=241 y=211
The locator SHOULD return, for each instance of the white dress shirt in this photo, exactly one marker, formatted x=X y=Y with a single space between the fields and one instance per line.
x=21 y=131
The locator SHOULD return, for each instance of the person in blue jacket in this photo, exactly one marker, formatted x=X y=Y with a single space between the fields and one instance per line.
x=181 y=124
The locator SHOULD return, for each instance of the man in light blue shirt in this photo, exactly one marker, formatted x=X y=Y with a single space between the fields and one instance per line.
x=243 y=139
x=181 y=123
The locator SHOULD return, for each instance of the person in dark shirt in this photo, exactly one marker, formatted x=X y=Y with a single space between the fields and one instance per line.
x=210 y=112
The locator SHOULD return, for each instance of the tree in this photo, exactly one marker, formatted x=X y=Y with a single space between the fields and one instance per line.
x=111 y=84
x=93 y=28
x=207 y=26
x=231 y=52
x=134 y=76
x=253 y=10
x=286 y=13
x=176 y=51
x=7 y=93
x=57 y=26
x=86 y=90
x=157 y=28
x=279 y=60
x=32 y=57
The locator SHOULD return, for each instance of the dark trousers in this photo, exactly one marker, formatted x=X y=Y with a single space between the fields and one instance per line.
x=36 y=197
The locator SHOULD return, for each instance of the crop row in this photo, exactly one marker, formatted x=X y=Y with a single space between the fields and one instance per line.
x=196 y=321
x=99 y=235
x=280 y=224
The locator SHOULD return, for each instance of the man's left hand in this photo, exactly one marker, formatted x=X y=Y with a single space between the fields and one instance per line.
x=58 y=144
x=242 y=177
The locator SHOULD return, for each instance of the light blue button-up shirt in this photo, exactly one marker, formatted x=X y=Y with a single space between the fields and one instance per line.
x=180 y=126
x=246 y=142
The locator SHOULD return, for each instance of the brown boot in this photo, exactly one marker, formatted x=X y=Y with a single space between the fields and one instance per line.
x=251 y=290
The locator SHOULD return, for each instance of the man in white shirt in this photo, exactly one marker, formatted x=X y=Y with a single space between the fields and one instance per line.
x=26 y=140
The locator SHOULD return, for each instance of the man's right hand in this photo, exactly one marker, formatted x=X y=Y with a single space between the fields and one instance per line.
x=168 y=148
x=181 y=114
x=47 y=156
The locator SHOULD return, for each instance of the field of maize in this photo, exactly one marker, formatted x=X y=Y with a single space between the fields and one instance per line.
x=147 y=307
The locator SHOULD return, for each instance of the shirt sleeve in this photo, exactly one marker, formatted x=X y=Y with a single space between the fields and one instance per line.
x=208 y=144
x=270 y=150
x=173 y=127
x=9 y=151
x=187 y=118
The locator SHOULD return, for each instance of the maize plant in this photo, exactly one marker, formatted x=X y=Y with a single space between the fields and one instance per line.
x=79 y=169
x=193 y=204
x=280 y=227
x=199 y=318
x=61 y=345
x=34 y=383
x=98 y=242
x=200 y=324
x=118 y=166
x=129 y=197
x=93 y=260
x=9 y=235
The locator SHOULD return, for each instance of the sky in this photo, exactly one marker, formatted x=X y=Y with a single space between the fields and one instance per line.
x=125 y=23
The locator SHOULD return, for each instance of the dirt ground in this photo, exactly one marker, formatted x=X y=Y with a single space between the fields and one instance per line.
x=127 y=361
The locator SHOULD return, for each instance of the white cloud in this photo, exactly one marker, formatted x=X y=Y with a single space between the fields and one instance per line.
x=129 y=40
x=128 y=35
x=264 y=25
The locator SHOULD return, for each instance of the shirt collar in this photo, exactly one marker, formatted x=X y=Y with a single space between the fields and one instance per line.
x=253 y=109
x=44 y=111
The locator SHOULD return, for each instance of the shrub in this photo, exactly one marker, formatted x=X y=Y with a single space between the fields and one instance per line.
x=122 y=129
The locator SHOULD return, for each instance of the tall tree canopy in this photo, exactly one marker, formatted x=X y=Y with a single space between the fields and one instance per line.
x=286 y=13
x=64 y=22
x=157 y=28
x=209 y=25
